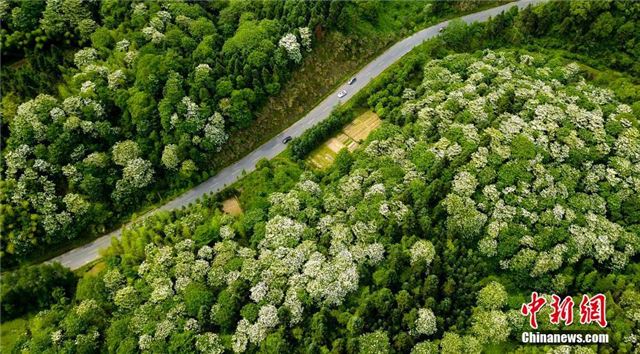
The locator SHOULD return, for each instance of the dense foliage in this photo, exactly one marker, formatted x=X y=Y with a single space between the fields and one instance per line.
x=35 y=288
x=36 y=36
x=496 y=173
x=150 y=99
x=495 y=170
x=152 y=95
x=605 y=30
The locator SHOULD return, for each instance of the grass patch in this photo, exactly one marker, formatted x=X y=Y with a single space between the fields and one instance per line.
x=10 y=332
x=96 y=269
x=321 y=157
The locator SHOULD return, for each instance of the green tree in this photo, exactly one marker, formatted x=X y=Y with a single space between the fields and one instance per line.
x=35 y=288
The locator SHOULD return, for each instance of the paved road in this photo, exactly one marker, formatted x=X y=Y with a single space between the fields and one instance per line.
x=82 y=255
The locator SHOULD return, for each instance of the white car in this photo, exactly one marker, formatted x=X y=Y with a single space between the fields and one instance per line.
x=342 y=93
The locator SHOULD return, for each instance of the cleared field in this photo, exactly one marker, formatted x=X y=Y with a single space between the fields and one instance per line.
x=321 y=157
x=361 y=127
x=232 y=206
x=351 y=136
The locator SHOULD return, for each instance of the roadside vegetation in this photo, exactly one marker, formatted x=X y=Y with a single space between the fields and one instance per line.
x=498 y=170
x=36 y=287
x=155 y=98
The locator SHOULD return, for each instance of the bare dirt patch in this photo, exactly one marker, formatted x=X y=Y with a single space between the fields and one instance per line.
x=232 y=206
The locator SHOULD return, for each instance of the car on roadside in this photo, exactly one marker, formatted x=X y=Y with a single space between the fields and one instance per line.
x=441 y=29
x=353 y=79
x=287 y=139
x=342 y=93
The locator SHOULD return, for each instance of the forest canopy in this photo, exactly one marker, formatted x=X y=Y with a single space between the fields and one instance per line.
x=508 y=163
x=150 y=96
x=110 y=107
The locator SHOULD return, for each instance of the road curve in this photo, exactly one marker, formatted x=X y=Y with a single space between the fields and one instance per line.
x=89 y=252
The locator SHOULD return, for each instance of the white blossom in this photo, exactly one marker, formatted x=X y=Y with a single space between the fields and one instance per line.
x=152 y=34
x=125 y=151
x=84 y=57
x=426 y=322
x=214 y=134
x=205 y=252
x=281 y=231
x=138 y=173
x=164 y=329
x=116 y=79
x=130 y=57
x=209 y=343
x=170 y=158
x=76 y=204
x=191 y=324
x=57 y=337
x=490 y=326
x=305 y=37
x=145 y=341
x=422 y=252
x=492 y=297
x=290 y=44
x=464 y=184
x=122 y=45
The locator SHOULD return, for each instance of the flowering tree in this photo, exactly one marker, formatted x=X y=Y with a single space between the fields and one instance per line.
x=490 y=326
x=137 y=174
x=76 y=204
x=170 y=157
x=305 y=37
x=209 y=343
x=214 y=133
x=290 y=44
x=425 y=348
x=492 y=297
x=375 y=343
x=84 y=57
x=125 y=151
x=426 y=322
x=422 y=252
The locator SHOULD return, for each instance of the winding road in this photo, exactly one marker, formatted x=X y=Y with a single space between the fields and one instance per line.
x=89 y=252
